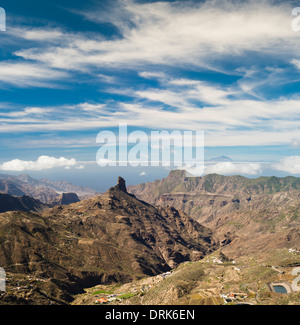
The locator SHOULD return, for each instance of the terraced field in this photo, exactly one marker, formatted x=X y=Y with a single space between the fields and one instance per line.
x=214 y=280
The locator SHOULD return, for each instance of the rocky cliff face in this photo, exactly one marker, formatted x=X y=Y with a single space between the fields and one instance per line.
x=112 y=237
x=65 y=199
x=247 y=215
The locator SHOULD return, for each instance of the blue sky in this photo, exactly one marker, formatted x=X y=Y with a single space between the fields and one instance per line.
x=70 y=69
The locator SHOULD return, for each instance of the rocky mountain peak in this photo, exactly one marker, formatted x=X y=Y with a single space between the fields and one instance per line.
x=121 y=185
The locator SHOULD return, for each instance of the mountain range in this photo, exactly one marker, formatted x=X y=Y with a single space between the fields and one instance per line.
x=43 y=190
x=113 y=237
x=247 y=215
x=135 y=236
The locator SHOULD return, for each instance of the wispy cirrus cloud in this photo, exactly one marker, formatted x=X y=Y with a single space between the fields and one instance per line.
x=37 y=34
x=235 y=122
x=171 y=33
x=180 y=33
x=24 y=74
x=187 y=32
x=167 y=53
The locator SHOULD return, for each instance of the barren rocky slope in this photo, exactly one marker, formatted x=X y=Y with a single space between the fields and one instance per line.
x=214 y=280
x=247 y=215
x=109 y=238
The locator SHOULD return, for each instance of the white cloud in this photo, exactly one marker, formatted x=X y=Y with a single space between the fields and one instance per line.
x=296 y=63
x=289 y=164
x=152 y=75
x=172 y=33
x=296 y=143
x=182 y=92
x=28 y=111
x=37 y=34
x=229 y=168
x=28 y=74
x=80 y=167
x=43 y=162
x=238 y=122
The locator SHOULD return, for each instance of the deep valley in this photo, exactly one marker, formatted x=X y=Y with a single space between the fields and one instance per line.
x=189 y=241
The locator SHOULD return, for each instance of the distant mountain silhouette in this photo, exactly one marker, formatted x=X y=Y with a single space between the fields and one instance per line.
x=221 y=158
x=44 y=190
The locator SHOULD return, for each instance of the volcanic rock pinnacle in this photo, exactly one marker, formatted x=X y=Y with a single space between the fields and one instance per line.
x=121 y=185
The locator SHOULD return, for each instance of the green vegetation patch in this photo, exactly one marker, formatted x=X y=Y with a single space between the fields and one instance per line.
x=101 y=292
x=127 y=295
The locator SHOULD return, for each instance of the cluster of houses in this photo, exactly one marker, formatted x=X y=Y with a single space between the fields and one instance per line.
x=218 y=261
x=293 y=250
x=233 y=296
x=143 y=289
x=164 y=275
x=109 y=298
x=28 y=286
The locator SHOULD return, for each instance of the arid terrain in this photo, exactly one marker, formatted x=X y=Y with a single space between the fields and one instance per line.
x=214 y=280
x=109 y=238
x=189 y=241
x=247 y=215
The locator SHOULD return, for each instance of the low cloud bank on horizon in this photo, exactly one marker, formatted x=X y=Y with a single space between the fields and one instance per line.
x=290 y=165
x=42 y=163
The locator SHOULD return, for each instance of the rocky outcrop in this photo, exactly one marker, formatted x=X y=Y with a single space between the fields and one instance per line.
x=121 y=185
x=65 y=199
